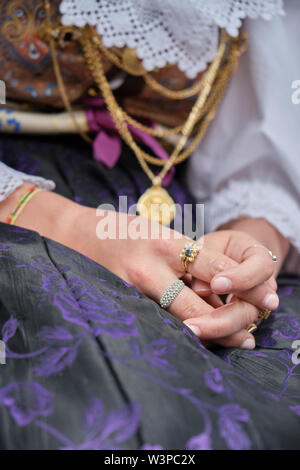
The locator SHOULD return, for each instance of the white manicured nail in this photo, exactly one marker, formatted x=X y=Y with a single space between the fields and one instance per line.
x=221 y=285
x=271 y=301
x=249 y=343
x=195 y=329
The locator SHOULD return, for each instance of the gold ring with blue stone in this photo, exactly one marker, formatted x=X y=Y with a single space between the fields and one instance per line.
x=189 y=254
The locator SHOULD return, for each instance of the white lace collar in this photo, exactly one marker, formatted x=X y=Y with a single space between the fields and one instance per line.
x=184 y=32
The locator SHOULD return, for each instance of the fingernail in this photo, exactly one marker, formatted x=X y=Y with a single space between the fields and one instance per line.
x=200 y=290
x=195 y=329
x=221 y=285
x=249 y=343
x=271 y=301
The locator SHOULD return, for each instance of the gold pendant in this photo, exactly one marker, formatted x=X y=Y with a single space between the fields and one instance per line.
x=156 y=204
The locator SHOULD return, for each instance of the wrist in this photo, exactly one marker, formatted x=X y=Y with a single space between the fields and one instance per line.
x=9 y=204
x=47 y=213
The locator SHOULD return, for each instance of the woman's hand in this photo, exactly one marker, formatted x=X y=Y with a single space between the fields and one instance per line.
x=252 y=279
x=153 y=264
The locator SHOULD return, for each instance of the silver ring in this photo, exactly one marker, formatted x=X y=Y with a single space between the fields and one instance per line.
x=170 y=294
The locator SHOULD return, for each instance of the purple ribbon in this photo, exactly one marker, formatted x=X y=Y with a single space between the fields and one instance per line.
x=107 y=144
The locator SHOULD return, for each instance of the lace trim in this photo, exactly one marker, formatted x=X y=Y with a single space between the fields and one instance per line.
x=167 y=31
x=11 y=179
x=257 y=200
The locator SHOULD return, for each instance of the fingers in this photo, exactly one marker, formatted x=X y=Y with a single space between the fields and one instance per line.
x=242 y=339
x=187 y=279
x=214 y=300
x=211 y=320
x=261 y=296
x=224 y=321
x=201 y=288
x=272 y=283
x=209 y=263
x=187 y=304
x=252 y=281
x=256 y=269
x=225 y=275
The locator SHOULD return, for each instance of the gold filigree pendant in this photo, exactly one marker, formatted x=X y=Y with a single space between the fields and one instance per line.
x=156 y=204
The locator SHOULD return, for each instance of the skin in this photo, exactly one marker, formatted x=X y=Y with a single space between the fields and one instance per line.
x=153 y=264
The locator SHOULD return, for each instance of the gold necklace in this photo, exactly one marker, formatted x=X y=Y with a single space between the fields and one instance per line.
x=155 y=203
x=128 y=61
x=59 y=79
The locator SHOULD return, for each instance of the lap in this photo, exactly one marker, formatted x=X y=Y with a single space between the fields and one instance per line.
x=92 y=363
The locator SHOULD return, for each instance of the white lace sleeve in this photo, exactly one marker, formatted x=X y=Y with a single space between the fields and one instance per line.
x=11 y=179
x=258 y=199
x=248 y=164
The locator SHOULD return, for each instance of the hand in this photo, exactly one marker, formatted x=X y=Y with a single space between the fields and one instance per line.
x=150 y=264
x=252 y=280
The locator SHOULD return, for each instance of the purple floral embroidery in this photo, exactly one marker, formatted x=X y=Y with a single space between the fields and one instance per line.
x=200 y=442
x=287 y=326
x=92 y=310
x=9 y=329
x=61 y=350
x=296 y=409
x=285 y=355
x=284 y=326
x=230 y=428
x=26 y=401
x=108 y=430
x=196 y=340
x=214 y=380
x=101 y=317
x=18 y=235
x=156 y=354
x=267 y=339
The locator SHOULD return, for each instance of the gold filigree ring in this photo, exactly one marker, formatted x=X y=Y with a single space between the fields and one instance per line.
x=189 y=254
x=262 y=315
x=251 y=328
x=274 y=257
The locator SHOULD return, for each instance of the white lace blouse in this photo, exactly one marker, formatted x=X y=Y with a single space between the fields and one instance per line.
x=249 y=162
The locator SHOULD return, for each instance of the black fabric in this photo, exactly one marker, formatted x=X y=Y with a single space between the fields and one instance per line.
x=94 y=364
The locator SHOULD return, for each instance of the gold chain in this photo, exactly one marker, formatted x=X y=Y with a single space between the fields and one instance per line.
x=171 y=94
x=160 y=133
x=202 y=112
x=60 y=82
x=213 y=100
x=211 y=105
x=149 y=79
x=96 y=68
